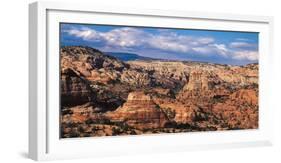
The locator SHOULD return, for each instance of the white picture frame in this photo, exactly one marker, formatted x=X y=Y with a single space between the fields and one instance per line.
x=44 y=141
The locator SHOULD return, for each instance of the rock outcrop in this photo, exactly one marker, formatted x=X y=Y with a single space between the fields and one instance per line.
x=198 y=81
x=135 y=78
x=240 y=111
x=139 y=111
x=74 y=89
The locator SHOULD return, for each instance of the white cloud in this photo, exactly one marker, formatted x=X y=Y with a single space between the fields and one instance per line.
x=205 y=40
x=241 y=45
x=203 y=50
x=219 y=49
x=124 y=37
x=168 y=42
x=246 y=55
x=84 y=33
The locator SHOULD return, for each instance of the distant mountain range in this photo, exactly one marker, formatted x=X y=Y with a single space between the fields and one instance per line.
x=128 y=56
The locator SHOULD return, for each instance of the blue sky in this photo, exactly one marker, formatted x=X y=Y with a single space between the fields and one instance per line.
x=225 y=47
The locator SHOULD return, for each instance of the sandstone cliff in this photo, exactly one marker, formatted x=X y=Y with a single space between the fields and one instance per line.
x=139 y=111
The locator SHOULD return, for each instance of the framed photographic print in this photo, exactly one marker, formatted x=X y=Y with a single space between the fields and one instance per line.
x=108 y=81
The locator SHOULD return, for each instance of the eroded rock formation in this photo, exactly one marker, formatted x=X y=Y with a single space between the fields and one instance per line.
x=139 y=111
x=103 y=96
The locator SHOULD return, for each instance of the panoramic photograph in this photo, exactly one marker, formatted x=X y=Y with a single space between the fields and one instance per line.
x=128 y=80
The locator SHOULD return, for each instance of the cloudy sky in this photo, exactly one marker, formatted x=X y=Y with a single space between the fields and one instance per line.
x=235 y=48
